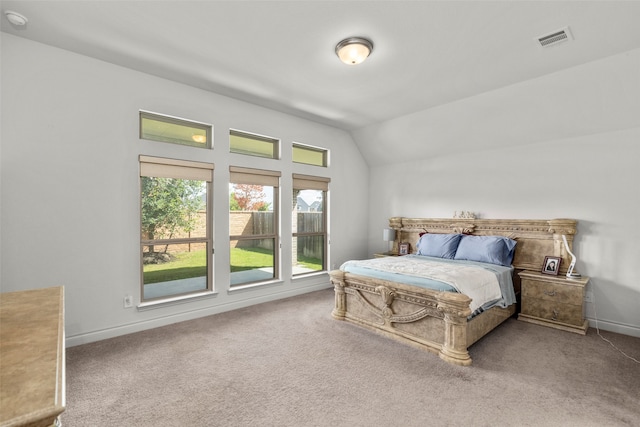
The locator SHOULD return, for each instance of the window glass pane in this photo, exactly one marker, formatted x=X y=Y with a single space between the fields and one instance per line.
x=309 y=155
x=309 y=235
x=169 y=129
x=174 y=269
x=252 y=260
x=253 y=145
x=175 y=242
x=309 y=206
x=173 y=208
x=308 y=254
x=253 y=204
x=251 y=210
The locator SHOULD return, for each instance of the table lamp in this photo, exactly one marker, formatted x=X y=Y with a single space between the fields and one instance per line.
x=389 y=235
x=570 y=273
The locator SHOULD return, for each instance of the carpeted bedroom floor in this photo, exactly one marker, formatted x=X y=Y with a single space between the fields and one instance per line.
x=289 y=363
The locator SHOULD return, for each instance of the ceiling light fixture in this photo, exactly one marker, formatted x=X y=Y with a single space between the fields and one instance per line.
x=15 y=18
x=354 y=50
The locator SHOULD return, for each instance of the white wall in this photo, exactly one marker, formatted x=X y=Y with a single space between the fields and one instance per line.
x=69 y=180
x=591 y=175
x=70 y=195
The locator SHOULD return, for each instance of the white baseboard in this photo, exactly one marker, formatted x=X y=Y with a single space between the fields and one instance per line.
x=89 y=337
x=618 y=328
x=116 y=331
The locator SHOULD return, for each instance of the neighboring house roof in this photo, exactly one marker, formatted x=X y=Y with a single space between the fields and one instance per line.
x=304 y=205
x=315 y=206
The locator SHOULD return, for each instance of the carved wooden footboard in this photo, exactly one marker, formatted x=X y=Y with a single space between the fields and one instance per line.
x=433 y=320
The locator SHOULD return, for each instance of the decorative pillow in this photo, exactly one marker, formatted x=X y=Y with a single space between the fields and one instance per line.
x=438 y=245
x=492 y=249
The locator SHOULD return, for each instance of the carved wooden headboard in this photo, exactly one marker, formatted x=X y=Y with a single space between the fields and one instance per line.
x=536 y=238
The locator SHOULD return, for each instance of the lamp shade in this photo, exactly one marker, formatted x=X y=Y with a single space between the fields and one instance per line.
x=388 y=234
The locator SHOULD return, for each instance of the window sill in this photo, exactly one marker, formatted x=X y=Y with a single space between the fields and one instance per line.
x=251 y=286
x=306 y=275
x=165 y=302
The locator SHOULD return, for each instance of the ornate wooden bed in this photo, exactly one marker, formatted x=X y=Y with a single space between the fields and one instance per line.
x=434 y=320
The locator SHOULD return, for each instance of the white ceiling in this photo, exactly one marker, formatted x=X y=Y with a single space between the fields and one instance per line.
x=280 y=54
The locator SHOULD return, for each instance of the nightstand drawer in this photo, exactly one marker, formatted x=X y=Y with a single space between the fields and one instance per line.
x=556 y=312
x=553 y=292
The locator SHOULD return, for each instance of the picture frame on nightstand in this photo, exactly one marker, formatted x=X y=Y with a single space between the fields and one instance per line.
x=551 y=265
x=403 y=249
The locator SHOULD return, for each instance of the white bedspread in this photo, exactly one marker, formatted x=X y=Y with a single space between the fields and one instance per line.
x=479 y=284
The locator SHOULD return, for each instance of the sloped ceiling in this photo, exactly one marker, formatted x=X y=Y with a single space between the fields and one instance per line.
x=440 y=70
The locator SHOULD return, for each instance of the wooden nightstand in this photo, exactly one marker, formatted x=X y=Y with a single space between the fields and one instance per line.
x=384 y=254
x=553 y=301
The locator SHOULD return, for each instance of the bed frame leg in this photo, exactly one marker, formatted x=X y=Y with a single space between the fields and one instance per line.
x=340 y=310
x=454 y=350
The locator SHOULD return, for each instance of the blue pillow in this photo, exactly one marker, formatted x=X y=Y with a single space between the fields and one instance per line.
x=438 y=245
x=491 y=249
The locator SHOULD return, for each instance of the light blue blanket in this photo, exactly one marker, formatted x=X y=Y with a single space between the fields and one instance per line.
x=386 y=269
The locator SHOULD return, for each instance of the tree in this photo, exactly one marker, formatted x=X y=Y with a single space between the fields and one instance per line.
x=169 y=206
x=248 y=197
x=233 y=203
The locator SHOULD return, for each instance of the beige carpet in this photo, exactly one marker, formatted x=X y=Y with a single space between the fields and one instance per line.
x=288 y=363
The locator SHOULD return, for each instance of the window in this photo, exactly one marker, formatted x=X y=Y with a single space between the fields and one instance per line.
x=253 y=222
x=253 y=145
x=157 y=127
x=175 y=242
x=309 y=224
x=310 y=155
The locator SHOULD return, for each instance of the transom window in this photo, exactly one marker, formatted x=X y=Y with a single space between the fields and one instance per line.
x=175 y=237
x=309 y=155
x=253 y=145
x=157 y=127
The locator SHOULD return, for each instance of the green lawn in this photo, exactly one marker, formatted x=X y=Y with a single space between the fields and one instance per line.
x=193 y=264
x=184 y=266
x=311 y=263
x=250 y=259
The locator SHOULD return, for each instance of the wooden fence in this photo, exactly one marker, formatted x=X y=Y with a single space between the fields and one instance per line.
x=251 y=223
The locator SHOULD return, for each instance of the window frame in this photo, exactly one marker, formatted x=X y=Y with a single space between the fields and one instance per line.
x=323 y=151
x=164 y=118
x=251 y=176
x=151 y=166
x=310 y=182
x=275 y=155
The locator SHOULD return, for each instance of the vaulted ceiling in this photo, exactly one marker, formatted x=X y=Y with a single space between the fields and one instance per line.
x=280 y=54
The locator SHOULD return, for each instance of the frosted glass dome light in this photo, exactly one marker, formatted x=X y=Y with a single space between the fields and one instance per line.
x=354 y=50
x=15 y=18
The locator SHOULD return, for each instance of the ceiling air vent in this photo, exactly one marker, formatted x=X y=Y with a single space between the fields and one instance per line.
x=554 y=38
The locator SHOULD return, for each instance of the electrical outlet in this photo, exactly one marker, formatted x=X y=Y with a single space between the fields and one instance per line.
x=128 y=301
x=588 y=296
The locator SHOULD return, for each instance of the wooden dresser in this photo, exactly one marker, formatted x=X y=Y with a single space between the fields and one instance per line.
x=32 y=357
x=553 y=301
